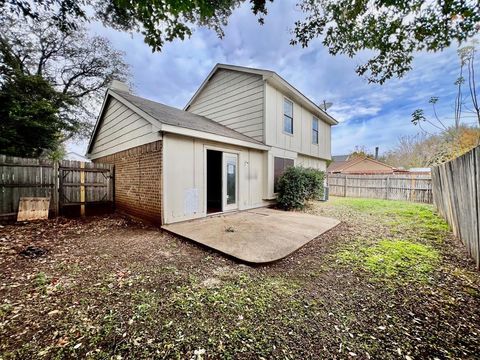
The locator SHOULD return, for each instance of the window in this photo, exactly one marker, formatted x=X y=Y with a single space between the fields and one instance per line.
x=314 y=131
x=279 y=167
x=288 y=116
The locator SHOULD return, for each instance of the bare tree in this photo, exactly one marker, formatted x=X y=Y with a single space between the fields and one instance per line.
x=462 y=107
x=413 y=151
x=467 y=57
x=423 y=150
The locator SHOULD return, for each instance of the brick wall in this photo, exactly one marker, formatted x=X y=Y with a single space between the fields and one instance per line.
x=138 y=181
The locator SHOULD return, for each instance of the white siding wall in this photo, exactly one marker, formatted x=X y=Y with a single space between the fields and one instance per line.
x=119 y=129
x=301 y=140
x=185 y=174
x=234 y=99
x=311 y=162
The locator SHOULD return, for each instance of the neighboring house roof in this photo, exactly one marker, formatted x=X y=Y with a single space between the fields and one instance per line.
x=72 y=155
x=338 y=158
x=420 y=169
x=336 y=166
x=169 y=119
x=275 y=80
x=360 y=165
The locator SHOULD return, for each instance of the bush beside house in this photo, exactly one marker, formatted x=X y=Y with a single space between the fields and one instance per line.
x=299 y=185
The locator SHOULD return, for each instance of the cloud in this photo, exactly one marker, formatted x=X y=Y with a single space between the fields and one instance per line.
x=370 y=114
x=344 y=112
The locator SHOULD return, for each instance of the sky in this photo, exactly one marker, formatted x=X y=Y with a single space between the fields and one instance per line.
x=369 y=115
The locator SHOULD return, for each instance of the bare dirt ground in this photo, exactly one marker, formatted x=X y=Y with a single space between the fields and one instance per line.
x=389 y=282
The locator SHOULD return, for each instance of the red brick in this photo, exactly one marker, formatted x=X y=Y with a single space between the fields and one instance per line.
x=138 y=181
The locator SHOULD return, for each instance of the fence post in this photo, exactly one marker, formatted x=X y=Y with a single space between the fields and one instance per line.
x=345 y=186
x=56 y=188
x=82 y=189
x=387 y=186
x=413 y=196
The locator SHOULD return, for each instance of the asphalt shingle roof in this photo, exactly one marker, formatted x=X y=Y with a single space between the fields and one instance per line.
x=338 y=158
x=165 y=114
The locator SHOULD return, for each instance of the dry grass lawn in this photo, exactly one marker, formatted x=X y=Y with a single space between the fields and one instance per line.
x=389 y=282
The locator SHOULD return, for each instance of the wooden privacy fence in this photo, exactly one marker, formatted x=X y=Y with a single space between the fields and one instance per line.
x=456 y=195
x=67 y=183
x=410 y=187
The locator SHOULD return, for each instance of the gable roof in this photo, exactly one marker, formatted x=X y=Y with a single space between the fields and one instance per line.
x=340 y=166
x=169 y=119
x=275 y=80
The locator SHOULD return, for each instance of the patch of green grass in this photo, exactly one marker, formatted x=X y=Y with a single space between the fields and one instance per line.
x=5 y=309
x=41 y=281
x=235 y=295
x=232 y=317
x=409 y=220
x=399 y=259
x=146 y=303
x=404 y=209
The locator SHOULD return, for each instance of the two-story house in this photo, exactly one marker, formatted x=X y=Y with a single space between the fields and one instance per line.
x=242 y=128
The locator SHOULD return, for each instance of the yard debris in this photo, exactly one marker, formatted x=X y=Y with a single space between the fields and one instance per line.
x=32 y=252
x=198 y=354
x=211 y=282
x=54 y=312
x=63 y=341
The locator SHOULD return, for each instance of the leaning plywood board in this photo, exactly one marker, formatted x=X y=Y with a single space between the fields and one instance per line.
x=33 y=208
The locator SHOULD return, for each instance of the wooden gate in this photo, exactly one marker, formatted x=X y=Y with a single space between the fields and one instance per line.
x=83 y=183
x=74 y=187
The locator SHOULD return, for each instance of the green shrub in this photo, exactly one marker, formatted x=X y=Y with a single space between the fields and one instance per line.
x=315 y=180
x=298 y=185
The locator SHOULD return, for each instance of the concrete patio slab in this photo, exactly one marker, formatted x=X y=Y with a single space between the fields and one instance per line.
x=255 y=236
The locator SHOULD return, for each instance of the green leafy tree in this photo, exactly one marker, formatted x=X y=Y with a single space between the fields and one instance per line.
x=77 y=65
x=392 y=31
x=52 y=82
x=30 y=124
x=159 y=21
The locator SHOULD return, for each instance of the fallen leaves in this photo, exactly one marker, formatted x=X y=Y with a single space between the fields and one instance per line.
x=106 y=286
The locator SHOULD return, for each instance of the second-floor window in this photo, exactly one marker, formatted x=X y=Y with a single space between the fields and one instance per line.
x=314 y=131
x=287 y=116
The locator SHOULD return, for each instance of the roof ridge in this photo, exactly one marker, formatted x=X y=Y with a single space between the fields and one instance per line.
x=269 y=75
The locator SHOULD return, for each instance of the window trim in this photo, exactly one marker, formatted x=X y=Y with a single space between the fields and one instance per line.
x=283 y=117
x=314 y=131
